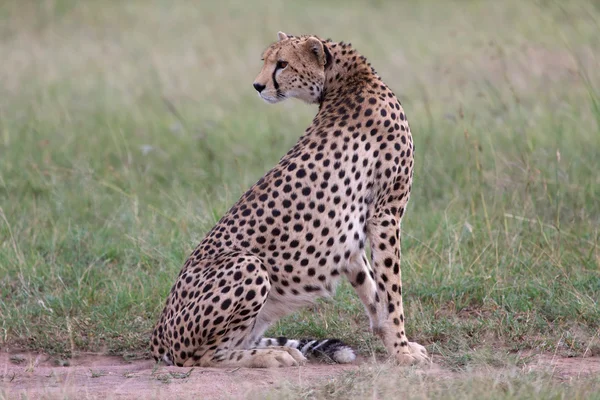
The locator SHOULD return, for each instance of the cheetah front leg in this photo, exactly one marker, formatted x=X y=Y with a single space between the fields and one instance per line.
x=361 y=277
x=384 y=236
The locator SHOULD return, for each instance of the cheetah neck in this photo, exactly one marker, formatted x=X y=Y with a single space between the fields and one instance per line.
x=345 y=72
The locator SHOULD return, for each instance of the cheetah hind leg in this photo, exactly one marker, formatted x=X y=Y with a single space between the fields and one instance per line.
x=272 y=357
x=328 y=349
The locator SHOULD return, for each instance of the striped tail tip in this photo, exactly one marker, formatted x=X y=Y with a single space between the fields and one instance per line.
x=330 y=349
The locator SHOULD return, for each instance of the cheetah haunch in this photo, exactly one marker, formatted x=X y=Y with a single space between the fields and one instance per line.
x=288 y=240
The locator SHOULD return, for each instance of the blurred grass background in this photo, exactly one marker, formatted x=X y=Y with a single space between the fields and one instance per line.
x=128 y=128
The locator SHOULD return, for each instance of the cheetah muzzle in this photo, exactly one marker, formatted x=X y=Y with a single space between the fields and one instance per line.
x=304 y=224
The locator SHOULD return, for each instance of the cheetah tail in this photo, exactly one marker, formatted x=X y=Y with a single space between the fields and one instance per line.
x=332 y=349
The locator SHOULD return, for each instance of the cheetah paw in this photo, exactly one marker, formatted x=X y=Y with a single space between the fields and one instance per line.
x=275 y=359
x=416 y=354
x=296 y=354
x=283 y=359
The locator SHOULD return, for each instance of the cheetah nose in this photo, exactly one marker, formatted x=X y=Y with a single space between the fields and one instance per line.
x=259 y=88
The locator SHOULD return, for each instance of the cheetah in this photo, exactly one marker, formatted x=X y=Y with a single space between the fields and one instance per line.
x=304 y=224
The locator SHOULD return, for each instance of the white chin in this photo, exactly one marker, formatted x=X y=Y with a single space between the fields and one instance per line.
x=270 y=100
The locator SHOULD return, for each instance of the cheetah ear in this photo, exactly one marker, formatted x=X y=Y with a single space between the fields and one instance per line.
x=281 y=36
x=315 y=46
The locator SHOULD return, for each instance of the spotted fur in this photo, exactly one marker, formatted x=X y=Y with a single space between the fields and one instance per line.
x=304 y=224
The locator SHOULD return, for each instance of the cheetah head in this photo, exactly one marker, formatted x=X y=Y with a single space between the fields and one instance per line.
x=293 y=67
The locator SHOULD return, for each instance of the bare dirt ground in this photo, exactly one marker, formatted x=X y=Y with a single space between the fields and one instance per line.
x=29 y=375
x=96 y=376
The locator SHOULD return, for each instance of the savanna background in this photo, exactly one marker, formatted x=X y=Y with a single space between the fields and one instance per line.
x=127 y=128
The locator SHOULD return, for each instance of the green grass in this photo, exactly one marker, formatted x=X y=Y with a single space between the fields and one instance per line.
x=386 y=382
x=128 y=129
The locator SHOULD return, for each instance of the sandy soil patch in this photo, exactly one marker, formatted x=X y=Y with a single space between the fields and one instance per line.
x=93 y=376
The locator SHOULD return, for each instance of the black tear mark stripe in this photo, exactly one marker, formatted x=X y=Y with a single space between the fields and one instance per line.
x=328 y=57
x=275 y=84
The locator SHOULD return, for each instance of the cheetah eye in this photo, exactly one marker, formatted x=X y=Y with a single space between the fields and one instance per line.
x=281 y=64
